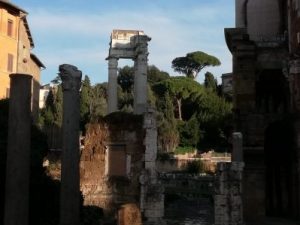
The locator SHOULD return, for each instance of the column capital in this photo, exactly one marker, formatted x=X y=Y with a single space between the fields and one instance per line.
x=112 y=62
x=70 y=76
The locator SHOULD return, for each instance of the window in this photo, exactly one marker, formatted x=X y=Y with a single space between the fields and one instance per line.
x=10 y=62
x=116 y=161
x=10 y=28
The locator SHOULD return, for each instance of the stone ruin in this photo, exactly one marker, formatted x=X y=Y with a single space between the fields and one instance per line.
x=128 y=44
x=118 y=162
x=116 y=170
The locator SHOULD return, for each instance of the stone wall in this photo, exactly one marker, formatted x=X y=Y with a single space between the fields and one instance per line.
x=228 y=194
x=98 y=187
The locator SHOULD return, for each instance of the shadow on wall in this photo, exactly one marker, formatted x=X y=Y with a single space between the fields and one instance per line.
x=44 y=191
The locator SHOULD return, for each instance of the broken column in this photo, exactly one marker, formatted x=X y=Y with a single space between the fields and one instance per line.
x=140 y=74
x=18 y=151
x=228 y=187
x=112 y=89
x=70 y=190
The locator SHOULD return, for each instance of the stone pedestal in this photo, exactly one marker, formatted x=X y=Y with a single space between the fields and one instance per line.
x=70 y=191
x=18 y=151
x=228 y=194
x=112 y=89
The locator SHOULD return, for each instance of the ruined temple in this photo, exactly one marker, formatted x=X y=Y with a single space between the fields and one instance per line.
x=118 y=162
x=265 y=45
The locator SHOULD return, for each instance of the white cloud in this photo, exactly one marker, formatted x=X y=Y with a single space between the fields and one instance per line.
x=172 y=35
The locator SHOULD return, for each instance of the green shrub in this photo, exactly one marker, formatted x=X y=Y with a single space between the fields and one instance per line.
x=180 y=150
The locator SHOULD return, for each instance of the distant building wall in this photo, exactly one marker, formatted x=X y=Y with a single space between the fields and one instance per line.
x=15 y=55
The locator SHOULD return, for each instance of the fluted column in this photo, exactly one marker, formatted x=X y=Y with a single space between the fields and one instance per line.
x=112 y=89
x=18 y=151
x=140 y=75
x=70 y=189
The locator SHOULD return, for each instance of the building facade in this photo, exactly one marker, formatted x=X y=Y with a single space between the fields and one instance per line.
x=266 y=80
x=15 y=55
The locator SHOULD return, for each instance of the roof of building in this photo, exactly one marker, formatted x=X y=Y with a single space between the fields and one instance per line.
x=37 y=60
x=14 y=7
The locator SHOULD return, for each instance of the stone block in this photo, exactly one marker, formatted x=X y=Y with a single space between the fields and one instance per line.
x=129 y=214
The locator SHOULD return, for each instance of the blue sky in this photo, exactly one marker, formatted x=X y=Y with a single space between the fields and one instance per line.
x=78 y=31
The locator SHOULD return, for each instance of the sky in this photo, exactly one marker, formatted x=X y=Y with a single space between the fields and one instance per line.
x=78 y=32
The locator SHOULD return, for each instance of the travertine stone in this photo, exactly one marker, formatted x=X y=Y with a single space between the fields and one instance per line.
x=70 y=190
x=18 y=151
x=112 y=85
x=129 y=214
x=228 y=194
x=140 y=74
x=129 y=44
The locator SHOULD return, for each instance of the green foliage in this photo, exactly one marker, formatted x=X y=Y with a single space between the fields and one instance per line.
x=85 y=102
x=194 y=167
x=181 y=150
x=189 y=132
x=126 y=78
x=179 y=89
x=155 y=75
x=210 y=82
x=193 y=63
x=168 y=137
x=98 y=104
x=204 y=115
x=58 y=107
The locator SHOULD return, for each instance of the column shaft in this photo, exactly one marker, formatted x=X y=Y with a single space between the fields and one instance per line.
x=140 y=84
x=112 y=89
x=70 y=186
x=18 y=151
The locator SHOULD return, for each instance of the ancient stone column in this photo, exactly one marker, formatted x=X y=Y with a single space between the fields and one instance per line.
x=237 y=147
x=140 y=75
x=112 y=85
x=240 y=13
x=70 y=189
x=18 y=151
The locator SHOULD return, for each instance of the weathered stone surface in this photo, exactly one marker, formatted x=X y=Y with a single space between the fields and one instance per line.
x=18 y=151
x=132 y=44
x=228 y=194
x=70 y=192
x=129 y=214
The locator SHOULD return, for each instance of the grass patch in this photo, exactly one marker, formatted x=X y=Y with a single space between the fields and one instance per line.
x=180 y=150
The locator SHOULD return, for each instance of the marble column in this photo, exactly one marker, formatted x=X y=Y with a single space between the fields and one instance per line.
x=18 y=151
x=140 y=75
x=70 y=187
x=112 y=89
